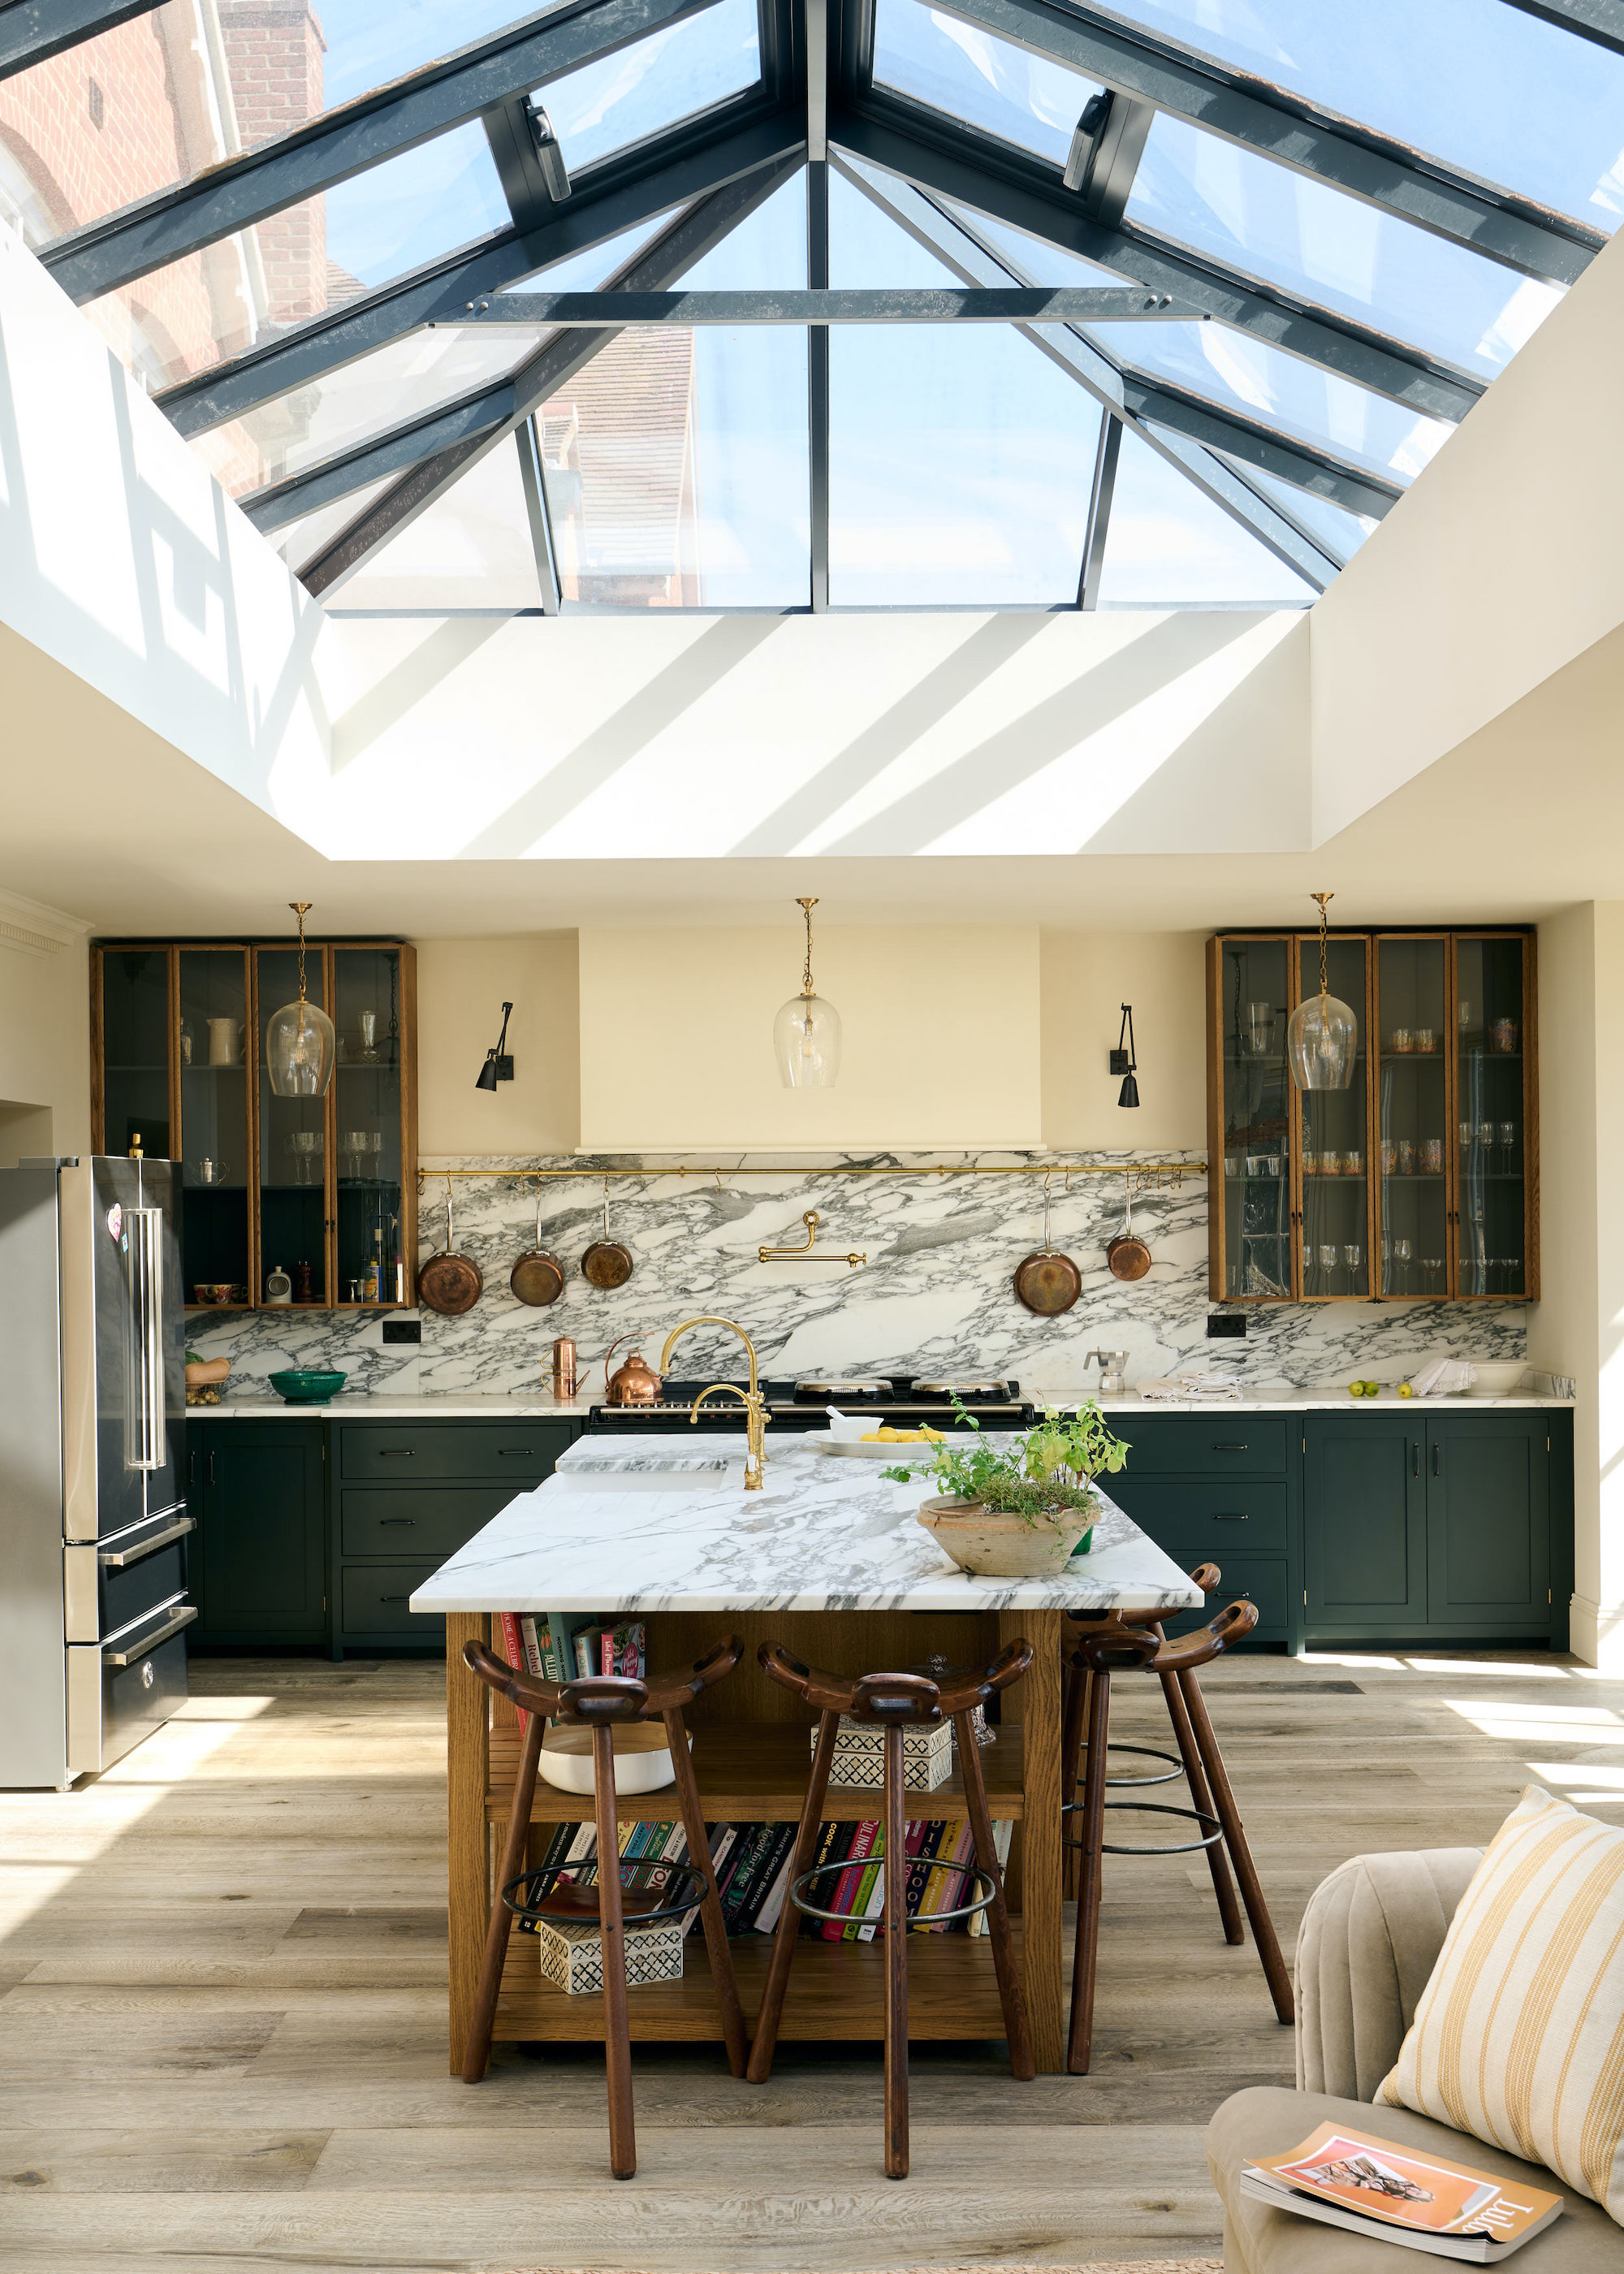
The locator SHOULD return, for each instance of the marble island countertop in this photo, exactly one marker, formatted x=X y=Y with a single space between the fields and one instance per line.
x=824 y=1535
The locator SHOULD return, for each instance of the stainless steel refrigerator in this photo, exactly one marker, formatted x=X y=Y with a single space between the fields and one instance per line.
x=93 y=1514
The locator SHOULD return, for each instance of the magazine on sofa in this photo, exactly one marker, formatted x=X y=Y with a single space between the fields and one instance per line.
x=1398 y=2195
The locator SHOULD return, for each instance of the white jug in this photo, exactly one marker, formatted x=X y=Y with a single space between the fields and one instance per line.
x=223 y=1047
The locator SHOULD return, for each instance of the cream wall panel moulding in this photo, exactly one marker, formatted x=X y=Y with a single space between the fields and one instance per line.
x=942 y=1039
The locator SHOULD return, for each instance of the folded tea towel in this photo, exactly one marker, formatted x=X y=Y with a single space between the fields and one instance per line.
x=1443 y=1377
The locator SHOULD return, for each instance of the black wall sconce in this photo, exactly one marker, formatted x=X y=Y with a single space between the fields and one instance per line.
x=1124 y=1061
x=498 y=1066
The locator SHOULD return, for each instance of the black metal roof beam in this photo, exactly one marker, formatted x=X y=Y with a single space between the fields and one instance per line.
x=1026 y=196
x=1601 y=21
x=555 y=363
x=158 y=230
x=1265 y=118
x=620 y=195
x=1038 y=304
x=1300 y=463
x=380 y=455
x=33 y=31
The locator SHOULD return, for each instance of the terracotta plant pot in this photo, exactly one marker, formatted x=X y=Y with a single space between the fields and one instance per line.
x=199 y=1370
x=999 y=1546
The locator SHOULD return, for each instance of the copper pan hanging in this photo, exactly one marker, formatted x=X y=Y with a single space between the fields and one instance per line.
x=1047 y=1281
x=537 y=1277
x=607 y=1264
x=449 y=1283
x=1127 y=1257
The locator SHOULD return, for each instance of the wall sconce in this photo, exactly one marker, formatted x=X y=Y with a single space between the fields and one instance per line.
x=1124 y=1061
x=498 y=1066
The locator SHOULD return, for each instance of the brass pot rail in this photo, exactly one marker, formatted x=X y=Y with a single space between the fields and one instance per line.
x=1147 y=1176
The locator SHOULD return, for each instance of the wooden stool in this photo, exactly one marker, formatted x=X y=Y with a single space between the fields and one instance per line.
x=893 y=1702
x=1111 y=1645
x=597 y=1702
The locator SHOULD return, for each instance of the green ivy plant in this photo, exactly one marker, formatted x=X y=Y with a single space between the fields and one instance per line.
x=1046 y=1474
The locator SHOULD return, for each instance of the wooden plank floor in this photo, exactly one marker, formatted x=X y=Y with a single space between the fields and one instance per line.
x=222 y=2005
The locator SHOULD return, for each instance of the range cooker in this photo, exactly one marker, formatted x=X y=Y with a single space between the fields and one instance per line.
x=902 y=1400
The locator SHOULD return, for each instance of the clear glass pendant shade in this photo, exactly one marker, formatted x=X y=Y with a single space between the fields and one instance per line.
x=806 y=1042
x=298 y=1051
x=1322 y=1041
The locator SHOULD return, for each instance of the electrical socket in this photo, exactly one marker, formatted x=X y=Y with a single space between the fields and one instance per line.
x=1226 y=1326
x=403 y=1330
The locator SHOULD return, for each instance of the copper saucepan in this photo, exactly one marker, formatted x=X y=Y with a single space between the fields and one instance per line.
x=449 y=1283
x=607 y=1264
x=1127 y=1257
x=1047 y=1281
x=537 y=1277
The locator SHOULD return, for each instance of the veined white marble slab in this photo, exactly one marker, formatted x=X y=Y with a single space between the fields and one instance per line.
x=822 y=1536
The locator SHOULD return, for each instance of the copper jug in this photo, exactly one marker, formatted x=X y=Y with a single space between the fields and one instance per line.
x=633 y=1381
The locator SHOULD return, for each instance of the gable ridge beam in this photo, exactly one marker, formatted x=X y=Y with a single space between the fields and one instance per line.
x=158 y=230
x=1600 y=21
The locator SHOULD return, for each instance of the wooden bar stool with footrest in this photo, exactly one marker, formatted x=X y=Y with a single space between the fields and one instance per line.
x=892 y=1702
x=1109 y=1645
x=597 y=1702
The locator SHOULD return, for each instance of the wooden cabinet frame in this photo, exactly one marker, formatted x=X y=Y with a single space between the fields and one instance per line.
x=323 y=954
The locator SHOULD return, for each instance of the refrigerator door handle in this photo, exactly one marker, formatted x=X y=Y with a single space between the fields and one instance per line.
x=122 y=1562
x=145 y=1445
x=182 y=1617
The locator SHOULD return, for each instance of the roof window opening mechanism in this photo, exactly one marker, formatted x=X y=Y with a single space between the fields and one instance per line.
x=549 y=153
x=1106 y=143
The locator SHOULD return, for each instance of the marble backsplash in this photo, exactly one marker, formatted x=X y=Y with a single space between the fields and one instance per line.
x=935 y=1294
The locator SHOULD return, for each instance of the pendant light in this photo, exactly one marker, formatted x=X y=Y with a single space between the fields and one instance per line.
x=1322 y=1034
x=298 y=1042
x=806 y=1033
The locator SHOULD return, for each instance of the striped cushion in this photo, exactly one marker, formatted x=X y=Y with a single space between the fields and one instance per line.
x=1519 y=2034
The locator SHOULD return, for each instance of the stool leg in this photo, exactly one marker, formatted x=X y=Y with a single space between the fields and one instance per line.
x=711 y=1903
x=896 y=1962
x=1235 y=1839
x=766 y=2041
x=477 y=2052
x=1200 y=1796
x=1010 y=1995
x=1071 y=1756
x=1079 y=2036
x=616 y=2028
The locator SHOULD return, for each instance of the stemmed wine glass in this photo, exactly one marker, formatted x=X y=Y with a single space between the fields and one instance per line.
x=1353 y=1256
x=1327 y=1264
x=1401 y=1252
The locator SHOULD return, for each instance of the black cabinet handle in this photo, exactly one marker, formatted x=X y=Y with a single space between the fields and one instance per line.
x=191 y=1466
x=395 y=1599
x=1239 y=1516
x=211 y=1464
x=410 y=1521
x=1415 y=1456
x=1217 y=1447
x=1436 y=1471
x=396 y=1453
x=516 y=1452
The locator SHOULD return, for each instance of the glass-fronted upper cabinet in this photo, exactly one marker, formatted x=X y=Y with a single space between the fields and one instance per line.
x=1413 y=1031
x=374 y=1098
x=1254 y=1216
x=212 y=1048
x=1334 y=1219
x=1493 y=1219
x=131 y=1016
x=294 y=1215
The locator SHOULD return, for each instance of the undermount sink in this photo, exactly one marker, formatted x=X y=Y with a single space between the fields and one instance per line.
x=648 y=1472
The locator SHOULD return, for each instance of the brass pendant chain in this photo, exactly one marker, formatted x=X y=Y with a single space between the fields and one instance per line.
x=806 y=907
x=302 y=908
x=1322 y=898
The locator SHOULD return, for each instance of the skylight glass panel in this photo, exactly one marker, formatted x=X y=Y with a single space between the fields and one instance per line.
x=644 y=88
x=869 y=251
x=1345 y=531
x=159 y=100
x=301 y=540
x=960 y=466
x=212 y=305
x=958 y=68
x=1271 y=389
x=1242 y=211
x=1167 y=546
x=676 y=470
x=471 y=549
x=1483 y=87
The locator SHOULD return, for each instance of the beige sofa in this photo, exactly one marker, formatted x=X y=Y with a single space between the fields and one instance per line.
x=1370 y=1938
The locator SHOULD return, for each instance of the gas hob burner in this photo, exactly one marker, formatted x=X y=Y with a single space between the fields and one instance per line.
x=873 y=1390
x=980 y=1391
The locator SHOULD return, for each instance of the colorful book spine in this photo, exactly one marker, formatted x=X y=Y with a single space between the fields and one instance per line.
x=932 y=1833
x=723 y=1839
x=587 y=1651
x=834 y=1841
x=954 y=1886
x=623 y=1649
x=1003 y=1837
x=772 y=1903
x=513 y=1651
x=844 y=1887
x=773 y=1873
x=743 y=1891
x=870 y=1905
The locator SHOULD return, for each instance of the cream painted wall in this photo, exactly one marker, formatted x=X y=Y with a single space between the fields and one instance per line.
x=44 y=1031
x=1086 y=977
x=461 y=986
x=941 y=1038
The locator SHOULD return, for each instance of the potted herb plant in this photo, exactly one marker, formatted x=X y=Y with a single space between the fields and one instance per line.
x=1018 y=1514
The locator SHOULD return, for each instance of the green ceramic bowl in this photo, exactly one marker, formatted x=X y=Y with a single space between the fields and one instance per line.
x=307 y=1385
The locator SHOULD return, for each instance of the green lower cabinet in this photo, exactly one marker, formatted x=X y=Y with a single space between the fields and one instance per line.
x=258 y=1555
x=1488 y=1523
x=1364 y=1546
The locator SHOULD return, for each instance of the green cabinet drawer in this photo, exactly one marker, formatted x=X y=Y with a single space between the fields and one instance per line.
x=1209 y=1444
x=427 y=1520
x=1206 y=1520
x=374 y=1600
x=1263 y=1580
x=519 y=1453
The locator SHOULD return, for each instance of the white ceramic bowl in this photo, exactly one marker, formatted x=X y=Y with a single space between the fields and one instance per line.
x=639 y=1766
x=1497 y=1377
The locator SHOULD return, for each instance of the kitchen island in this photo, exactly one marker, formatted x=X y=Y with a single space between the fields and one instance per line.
x=828 y=1559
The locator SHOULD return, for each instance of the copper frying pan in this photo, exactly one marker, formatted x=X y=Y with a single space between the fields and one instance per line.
x=537 y=1277
x=1126 y=1256
x=1047 y=1281
x=449 y=1283
x=607 y=1264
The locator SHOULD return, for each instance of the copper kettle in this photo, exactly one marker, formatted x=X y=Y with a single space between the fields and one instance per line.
x=633 y=1381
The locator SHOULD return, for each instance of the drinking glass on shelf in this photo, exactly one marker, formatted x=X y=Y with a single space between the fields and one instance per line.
x=1401 y=1252
x=1466 y=1018
x=1311 y=1162
x=1511 y=1267
x=1507 y=1133
x=1503 y=1035
x=1432 y=1156
x=1260 y=1027
x=304 y=1145
x=1485 y=1139
x=1327 y=1264
x=1465 y=1128
x=1406 y=1157
x=1401 y=1041
x=1426 y=1041
x=1353 y=1163
x=1389 y=1157
x=1432 y=1273
x=1353 y=1256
